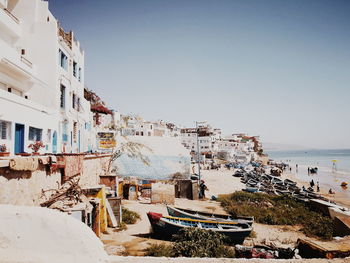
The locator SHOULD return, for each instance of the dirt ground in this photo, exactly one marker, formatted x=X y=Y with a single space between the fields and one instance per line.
x=136 y=238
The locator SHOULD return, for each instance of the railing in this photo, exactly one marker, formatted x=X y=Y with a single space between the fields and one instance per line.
x=11 y=15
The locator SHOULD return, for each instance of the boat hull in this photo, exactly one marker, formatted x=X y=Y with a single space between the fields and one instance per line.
x=177 y=212
x=165 y=230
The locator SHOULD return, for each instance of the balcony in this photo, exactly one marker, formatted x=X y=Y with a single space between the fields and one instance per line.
x=9 y=24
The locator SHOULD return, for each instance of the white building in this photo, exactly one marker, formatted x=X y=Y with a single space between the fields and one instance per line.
x=206 y=139
x=41 y=81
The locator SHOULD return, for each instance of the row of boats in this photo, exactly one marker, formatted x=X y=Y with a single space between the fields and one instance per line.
x=236 y=229
x=256 y=181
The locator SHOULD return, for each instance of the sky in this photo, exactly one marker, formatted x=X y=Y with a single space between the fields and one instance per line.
x=278 y=69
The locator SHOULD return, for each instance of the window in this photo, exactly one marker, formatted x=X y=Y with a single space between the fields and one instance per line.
x=74 y=101
x=35 y=134
x=75 y=125
x=63 y=97
x=78 y=104
x=64 y=132
x=75 y=69
x=79 y=75
x=48 y=135
x=5 y=130
x=63 y=60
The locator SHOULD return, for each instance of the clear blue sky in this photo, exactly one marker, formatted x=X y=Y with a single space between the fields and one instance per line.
x=279 y=69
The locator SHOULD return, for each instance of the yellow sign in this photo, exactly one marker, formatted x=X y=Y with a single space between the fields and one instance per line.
x=106 y=140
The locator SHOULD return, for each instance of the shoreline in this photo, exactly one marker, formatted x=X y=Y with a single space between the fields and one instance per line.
x=339 y=197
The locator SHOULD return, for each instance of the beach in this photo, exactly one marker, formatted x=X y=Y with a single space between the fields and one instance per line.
x=136 y=238
x=327 y=175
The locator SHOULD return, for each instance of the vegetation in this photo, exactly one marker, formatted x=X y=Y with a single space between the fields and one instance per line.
x=278 y=210
x=193 y=242
x=129 y=217
x=160 y=250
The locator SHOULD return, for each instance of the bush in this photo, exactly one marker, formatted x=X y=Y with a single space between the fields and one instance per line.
x=129 y=217
x=278 y=210
x=194 y=242
x=161 y=250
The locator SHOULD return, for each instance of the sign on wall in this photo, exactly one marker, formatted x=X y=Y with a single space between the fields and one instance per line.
x=106 y=140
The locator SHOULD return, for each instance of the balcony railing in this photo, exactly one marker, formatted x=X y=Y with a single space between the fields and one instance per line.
x=11 y=15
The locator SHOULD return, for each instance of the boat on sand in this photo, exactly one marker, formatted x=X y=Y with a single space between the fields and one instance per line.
x=187 y=213
x=166 y=226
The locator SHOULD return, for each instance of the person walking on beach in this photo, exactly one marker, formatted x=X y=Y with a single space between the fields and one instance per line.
x=312 y=183
x=308 y=170
x=296 y=167
x=318 y=186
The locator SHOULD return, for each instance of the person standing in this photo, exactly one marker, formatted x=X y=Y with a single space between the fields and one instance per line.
x=202 y=189
x=312 y=183
x=318 y=186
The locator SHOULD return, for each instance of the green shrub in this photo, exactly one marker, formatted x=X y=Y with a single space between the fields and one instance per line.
x=278 y=210
x=160 y=250
x=194 y=242
x=129 y=217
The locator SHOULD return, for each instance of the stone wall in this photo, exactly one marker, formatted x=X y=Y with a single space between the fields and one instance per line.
x=25 y=187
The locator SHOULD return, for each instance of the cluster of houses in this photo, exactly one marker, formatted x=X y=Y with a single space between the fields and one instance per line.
x=43 y=97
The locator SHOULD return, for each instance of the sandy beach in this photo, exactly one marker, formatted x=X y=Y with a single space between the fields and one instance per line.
x=136 y=238
x=339 y=197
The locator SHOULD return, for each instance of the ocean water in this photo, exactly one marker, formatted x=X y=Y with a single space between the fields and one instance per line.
x=329 y=176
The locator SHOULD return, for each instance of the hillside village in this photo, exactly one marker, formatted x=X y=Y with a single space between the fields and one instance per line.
x=70 y=164
x=44 y=96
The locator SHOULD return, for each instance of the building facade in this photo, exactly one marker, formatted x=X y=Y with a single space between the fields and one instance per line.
x=41 y=81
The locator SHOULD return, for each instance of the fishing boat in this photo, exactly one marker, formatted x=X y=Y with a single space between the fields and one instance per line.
x=187 y=213
x=167 y=226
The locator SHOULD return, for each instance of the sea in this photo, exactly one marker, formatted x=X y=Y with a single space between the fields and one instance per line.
x=333 y=166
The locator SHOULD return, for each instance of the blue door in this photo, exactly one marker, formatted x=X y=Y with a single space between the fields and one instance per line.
x=19 y=138
x=54 y=142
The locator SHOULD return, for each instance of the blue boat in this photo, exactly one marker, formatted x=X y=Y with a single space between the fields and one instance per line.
x=187 y=213
x=166 y=226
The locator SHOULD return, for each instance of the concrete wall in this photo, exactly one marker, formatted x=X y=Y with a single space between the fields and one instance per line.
x=25 y=187
x=163 y=193
x=93 y=167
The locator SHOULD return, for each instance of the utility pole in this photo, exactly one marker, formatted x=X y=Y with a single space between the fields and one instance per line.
x=198 y=153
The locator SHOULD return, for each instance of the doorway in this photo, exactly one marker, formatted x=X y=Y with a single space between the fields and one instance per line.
x=19 y=138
